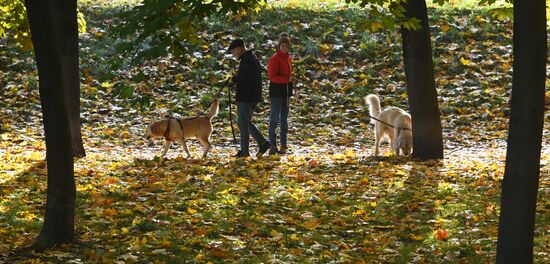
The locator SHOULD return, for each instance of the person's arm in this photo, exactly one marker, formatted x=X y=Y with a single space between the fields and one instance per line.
x=245 y=74
x=273 y=72
x=290 y=69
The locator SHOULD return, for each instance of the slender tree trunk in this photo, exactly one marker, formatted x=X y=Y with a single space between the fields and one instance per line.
x=417 y=54
x=65 y=20
x=521 y=176
x=58 y=224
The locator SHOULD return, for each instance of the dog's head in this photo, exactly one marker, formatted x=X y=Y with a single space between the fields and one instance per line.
x=405 y=142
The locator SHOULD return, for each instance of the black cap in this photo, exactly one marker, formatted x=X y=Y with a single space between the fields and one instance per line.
x=235 y=44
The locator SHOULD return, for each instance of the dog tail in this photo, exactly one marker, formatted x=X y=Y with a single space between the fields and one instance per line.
x=373 y=102
x=213 y=109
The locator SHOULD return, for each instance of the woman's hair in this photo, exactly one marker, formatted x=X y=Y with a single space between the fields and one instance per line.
x=283 y=38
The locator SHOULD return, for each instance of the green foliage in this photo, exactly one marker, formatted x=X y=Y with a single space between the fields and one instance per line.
x=329 y=201
x=502 y=12
x=14 y=23
x=157 y=28
x=310 y=48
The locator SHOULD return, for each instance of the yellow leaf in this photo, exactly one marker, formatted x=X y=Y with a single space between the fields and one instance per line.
x=445 y=28
x=29 y=216
x=200 y=257
x=375 y=26
x=110 y=212
x=191 y=210
x=311 y=224
x=165 y=243
x=359 y=212
x=464 y=61
x=350 y=153
x=505 y=66
x=325 y=48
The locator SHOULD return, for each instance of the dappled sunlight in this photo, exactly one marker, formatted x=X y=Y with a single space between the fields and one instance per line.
x=329 y=200
x=378 y=208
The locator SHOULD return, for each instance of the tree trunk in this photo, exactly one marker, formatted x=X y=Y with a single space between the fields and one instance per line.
x=65 y=20
x=58 y=224
x=521 y=176
x=423 y=105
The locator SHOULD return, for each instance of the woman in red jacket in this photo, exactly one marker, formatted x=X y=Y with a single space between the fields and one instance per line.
x=279 y=72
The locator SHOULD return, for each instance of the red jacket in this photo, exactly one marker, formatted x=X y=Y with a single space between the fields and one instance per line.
x=279 y=68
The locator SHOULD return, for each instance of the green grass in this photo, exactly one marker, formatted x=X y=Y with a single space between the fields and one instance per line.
x=359 y=208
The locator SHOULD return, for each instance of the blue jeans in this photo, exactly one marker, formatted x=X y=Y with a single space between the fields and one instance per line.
x=279 y=113
x=246 y=128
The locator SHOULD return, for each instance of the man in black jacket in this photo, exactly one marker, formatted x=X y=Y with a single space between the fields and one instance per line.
x=249 y=93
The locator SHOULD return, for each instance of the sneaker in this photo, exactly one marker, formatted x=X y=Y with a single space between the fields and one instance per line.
x=263 y=148
x=283 y=150
x=240 y=154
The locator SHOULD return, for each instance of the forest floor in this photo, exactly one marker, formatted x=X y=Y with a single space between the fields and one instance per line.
x=328 y=201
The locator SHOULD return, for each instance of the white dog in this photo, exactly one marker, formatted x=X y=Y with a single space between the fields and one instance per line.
x=395 y=123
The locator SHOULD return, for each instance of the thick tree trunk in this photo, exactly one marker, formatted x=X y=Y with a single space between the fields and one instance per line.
x=58 y=224
x=521 y=176
x=65 y=19
x=423 y=105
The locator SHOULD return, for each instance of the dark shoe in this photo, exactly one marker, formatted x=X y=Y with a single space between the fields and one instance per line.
x=274 y=152
x=240 y=154
x=263 y=148
x=283 y=150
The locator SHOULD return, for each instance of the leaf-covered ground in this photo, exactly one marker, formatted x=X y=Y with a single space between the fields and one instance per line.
x=329 y=201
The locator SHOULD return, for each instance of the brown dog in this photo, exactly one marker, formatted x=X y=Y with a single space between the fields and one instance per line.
x=174 y=129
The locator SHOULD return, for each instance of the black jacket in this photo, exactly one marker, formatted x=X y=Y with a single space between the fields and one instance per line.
x=281 y=89
x=249 y=79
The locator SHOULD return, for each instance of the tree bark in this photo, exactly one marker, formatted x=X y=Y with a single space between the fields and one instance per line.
x=521 y=176
x=423 y=105
x=65 y=20
x=58 y=224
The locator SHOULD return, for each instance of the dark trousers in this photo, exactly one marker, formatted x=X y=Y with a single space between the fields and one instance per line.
x=246 y=127
x=279 y=114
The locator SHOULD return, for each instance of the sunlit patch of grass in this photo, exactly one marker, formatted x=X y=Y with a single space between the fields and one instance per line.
x=309 y=4
x=329 y=201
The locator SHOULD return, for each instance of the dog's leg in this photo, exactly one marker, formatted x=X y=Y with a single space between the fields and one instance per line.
x=184 y=144
x=167 y=145
x=395 y=142
x=377 y=137
x=207 y=146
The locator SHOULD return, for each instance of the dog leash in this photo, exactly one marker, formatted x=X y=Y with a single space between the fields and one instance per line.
x=226 y=84
x=392 y=126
